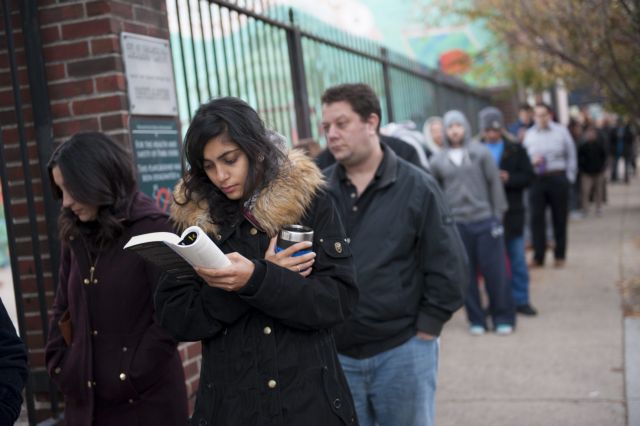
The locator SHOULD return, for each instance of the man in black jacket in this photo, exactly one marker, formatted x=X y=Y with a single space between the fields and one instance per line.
x=592 y=162
x=621 y=146
x=410 y=264
x=13 y=370
x=517 y=174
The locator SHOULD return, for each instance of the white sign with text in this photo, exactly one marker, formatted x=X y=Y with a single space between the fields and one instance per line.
x=149 y=72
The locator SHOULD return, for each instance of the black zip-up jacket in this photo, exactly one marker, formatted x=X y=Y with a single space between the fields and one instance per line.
x=516 y=162
x=592 y=157
x=411 y=265
x=13 y=370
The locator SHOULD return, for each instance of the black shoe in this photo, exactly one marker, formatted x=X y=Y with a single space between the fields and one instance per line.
x=527 y=310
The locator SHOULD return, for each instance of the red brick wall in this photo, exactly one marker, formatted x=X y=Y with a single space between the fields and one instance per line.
x=87 y=91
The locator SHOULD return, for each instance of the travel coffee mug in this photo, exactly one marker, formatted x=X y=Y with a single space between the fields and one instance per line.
x=292 y=234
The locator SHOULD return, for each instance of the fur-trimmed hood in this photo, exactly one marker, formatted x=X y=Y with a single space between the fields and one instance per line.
x=284 y=201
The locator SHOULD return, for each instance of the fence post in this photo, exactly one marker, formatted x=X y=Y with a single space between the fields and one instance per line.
x=384 y=53
x=42 y=122
x=298 y=77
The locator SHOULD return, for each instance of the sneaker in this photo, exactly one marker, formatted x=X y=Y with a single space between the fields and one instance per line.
x=504 y=329
x=527 y=310
x=476 y=330
x=576 y=215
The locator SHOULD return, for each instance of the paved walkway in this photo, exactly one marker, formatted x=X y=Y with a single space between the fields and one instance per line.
x=566 y=366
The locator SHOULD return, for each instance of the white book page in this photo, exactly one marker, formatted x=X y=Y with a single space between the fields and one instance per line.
x=166 y=237
x=202 y=252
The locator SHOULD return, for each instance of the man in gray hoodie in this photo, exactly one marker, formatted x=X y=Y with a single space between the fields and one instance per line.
x=471 y=182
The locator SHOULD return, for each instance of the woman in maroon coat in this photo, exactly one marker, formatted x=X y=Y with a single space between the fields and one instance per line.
x=114 y=364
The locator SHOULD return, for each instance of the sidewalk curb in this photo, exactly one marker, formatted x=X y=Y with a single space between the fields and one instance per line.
x=632 y=369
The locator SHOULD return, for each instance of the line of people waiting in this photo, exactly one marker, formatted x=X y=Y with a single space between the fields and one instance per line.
x=402 y=231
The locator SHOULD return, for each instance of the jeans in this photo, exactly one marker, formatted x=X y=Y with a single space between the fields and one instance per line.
x=395 y=387
x=519 y=270
x=485 y=247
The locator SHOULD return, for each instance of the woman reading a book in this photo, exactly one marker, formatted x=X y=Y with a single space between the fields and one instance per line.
x=114 y=364
x=265 y=321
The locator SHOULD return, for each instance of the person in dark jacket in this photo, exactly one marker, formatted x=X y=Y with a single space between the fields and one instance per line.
x=410 y=263
x=13 y=369
x=592 y=162
x=266 y=320
x=621 y=147
x=109 y=357
x=523 y=123
x=516 y=173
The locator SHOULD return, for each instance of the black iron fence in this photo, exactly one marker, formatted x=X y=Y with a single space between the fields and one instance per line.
x=280 y=61
x=23 y=190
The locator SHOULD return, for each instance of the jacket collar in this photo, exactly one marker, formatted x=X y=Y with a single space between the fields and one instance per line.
x=386 y=173
x=283 y=201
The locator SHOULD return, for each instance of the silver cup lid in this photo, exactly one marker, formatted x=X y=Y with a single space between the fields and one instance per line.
x=296 y=233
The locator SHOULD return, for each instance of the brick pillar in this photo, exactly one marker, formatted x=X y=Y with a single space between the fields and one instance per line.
x=87 y=91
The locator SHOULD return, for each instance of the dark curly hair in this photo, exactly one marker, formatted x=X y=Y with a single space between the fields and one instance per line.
x=97 y=171
x=235 y=119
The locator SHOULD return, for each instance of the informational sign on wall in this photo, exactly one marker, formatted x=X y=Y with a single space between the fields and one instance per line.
x=149 y=72
x=156 y=146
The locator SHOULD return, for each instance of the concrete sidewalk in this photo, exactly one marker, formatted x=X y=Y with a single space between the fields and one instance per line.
x=567 y=365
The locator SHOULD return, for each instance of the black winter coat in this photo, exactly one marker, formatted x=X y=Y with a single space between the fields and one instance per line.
x=592 y=157
x=13 y=370
x=269 y=356
x=516 y=162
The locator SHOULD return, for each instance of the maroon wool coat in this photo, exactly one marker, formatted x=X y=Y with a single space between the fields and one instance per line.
x=121 y=367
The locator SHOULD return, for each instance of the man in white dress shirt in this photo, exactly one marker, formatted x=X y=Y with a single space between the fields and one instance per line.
x=553 y=155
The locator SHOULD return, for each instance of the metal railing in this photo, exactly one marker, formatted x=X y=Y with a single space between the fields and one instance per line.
x=38 y=383
x=280 y=61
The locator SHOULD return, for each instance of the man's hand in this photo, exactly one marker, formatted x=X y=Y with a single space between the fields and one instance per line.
x=425 y=336
x=504 y=176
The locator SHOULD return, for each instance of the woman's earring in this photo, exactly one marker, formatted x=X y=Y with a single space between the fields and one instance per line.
x=261 y=158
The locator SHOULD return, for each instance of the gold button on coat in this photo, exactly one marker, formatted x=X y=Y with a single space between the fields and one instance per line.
x=272 y=384
x=267 y=330
x=123 y=377
x=57 y=370
x=253 y=231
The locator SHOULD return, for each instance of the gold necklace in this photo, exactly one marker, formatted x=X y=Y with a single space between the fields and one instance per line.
x=94 y=265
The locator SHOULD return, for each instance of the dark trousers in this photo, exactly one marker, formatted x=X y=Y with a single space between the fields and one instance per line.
x=626 y=162
x=484 y=242
x=552 y=191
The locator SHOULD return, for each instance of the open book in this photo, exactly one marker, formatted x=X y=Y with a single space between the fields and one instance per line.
x=178 y=254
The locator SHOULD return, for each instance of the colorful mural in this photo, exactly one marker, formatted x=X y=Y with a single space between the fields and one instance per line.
x=418 y=29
